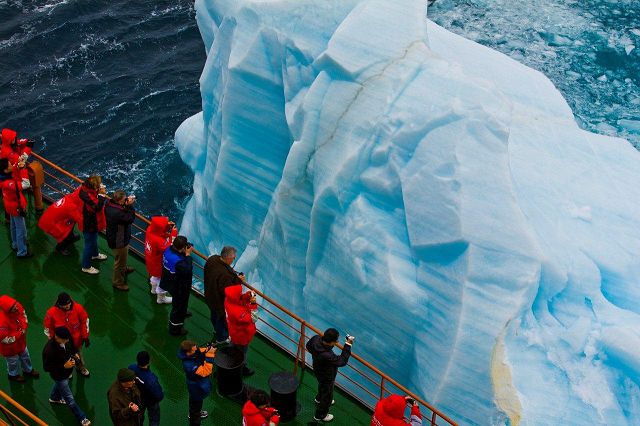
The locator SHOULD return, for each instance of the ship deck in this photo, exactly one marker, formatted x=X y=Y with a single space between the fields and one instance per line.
x=123 y=323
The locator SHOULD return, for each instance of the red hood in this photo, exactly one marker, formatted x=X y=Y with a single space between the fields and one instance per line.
x=8 y=136
x=6 y=302
x=394 y=406
x=159 y=225
x=233 y=294
x=250 y=409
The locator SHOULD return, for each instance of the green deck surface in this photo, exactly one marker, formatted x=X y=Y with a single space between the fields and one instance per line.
x=121 y=324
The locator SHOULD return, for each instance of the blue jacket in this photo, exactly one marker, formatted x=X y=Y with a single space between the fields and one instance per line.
x=199 y=387
x=177 y=271
x=148 y=384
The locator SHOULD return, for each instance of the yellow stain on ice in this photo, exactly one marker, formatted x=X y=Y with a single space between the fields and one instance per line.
x=506 y=395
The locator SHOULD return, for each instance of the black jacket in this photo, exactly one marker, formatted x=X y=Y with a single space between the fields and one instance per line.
x=119 y=220
x=218 y=276
x=55 y=356
x=177 y=271
x=325 y=362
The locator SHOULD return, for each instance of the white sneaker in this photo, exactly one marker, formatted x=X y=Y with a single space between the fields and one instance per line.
x=154 y=288
x=91 y=270
x=100 y=256
x=325 y=419
x=85 y=422
x=163 y=298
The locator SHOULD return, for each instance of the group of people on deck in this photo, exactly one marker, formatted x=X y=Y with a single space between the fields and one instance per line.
x=137 y=390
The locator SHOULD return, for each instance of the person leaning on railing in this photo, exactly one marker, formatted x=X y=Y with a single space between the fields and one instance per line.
x=390 y=412
x=15 y=205
x=120 y=214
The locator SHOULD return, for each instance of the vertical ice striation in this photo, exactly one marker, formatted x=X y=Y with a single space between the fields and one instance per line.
x=430 y=195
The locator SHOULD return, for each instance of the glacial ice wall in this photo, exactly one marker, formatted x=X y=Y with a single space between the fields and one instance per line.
x=430 y=195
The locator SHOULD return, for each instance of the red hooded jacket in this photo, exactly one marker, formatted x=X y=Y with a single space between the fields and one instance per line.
x=75 y=319
x=254 y=416
x=13 y=327
x=91 y=209
x=13 y=197
x=390 y=412
x=238 y=308
x=59 y=218
x=157 y=239
x=13 y=152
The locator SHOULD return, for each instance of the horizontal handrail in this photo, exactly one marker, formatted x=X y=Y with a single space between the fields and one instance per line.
x=21 y=409
x=302 y=324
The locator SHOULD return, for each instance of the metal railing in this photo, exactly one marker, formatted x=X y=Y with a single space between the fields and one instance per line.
x=282 y=327
x=13 y=419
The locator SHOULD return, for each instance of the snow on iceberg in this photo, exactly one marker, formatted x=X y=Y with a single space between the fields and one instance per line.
x=428 y=194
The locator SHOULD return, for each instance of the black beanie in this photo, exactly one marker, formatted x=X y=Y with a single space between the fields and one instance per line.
x=143 y=358
x=63 y=299
x=63 y=333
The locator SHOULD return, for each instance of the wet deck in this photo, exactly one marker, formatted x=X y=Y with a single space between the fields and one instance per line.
x=121 y=325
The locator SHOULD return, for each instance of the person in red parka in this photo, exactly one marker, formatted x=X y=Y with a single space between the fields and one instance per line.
x=256 y=411
x=390 y=412
x=160 y=234
x=59 y=219
x=13 y=339
x=15 y=205
x=17 y=151
x=242 y=314
x=70 y=314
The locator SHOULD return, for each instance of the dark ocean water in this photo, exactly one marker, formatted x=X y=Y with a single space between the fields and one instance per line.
x=102 y=86
x=590 y=49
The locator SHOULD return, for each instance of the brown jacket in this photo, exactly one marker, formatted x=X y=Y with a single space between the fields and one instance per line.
x=217 y=276
x=119 y=411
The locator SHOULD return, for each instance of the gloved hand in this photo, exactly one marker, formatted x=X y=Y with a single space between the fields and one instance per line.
x=8 y=340
x=254 y=315
x=86 y=342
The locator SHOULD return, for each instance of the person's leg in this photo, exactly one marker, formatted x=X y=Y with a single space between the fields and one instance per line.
x=178 y=311
x=68 y=240
x=25 y=361
x=154 y=414
x=13 y=368
x=194 y=412
x=95 y=244
x=325 y=394
x=12 y=227
x=65 y=393
x=90 y=243
x=220 y=326
x=119 y=267
x=19 y=234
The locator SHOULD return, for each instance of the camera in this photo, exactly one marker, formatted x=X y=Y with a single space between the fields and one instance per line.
x=410 y=401
x=26 y=142
x=189 y=245
x=350 y=338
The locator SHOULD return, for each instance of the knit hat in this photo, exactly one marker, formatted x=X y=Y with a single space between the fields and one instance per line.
x=63 y=299
x=143 y=358
x=126 y=375
x=63 y=333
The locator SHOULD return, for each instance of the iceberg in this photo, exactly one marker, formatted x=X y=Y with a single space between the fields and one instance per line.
x=430 y=195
